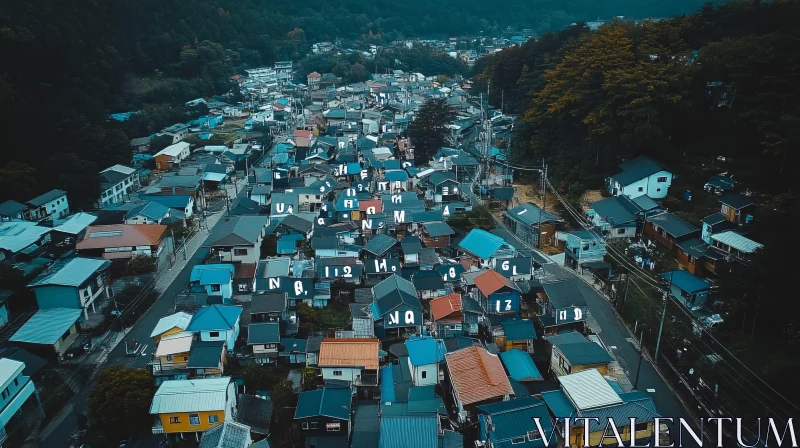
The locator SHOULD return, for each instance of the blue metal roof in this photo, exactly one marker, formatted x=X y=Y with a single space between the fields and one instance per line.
x=513 y=419
x=425 y=350
x=519 y=329
x=215 y=317
x=334 y=403
x=481 y=243
x=686 y=281
x=396 y=176
x=287 y=246
x=520 y=365
x=531 y=215
x=387 y=384
x=212 y=274
x=416 y=431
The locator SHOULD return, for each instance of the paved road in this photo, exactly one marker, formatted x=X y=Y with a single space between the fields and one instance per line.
x=60 y=434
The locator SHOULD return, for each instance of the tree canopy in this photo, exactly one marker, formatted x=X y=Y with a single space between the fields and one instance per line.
x=428 y=131
x=119 y=404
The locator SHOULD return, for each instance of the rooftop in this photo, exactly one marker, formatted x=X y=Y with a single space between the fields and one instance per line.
x=173 y=396
x=47 y=326
x=70 y=272
x=490 y=282
x=178 y=320
x=477 y=375
x=121 y=235
x=349 y=353
x=333 y=403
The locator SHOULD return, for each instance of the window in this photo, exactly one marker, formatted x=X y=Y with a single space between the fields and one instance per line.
x=174 y=420
x=243 y=287
x=658 y=190
x=436 y=238
x=305 y=425
x=337 y=373
x=194 y=419
x=585 y=247
x=213 y=334
x=641 y=189
x=65 y=335
x=5 y=394
x=620 y=231
x=641 y=427
x=424 y=374
x=213 y=418
x=661 y=179
x=517 y=440
x=200 y=371
x=169 y=358
x=240 y=252
x=216 y=288
x=534 y=435
x=333 y=426
x=314 y=425
x=16 y=381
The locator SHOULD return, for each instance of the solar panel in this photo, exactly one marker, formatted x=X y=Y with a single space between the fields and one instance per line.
x=105 y=234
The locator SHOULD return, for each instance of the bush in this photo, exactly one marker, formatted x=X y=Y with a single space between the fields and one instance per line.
x=142 y=264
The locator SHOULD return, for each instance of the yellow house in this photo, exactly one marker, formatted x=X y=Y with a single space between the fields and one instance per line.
x=174 y=323
x=587 y=394
x=186 y=408
x=173 y=352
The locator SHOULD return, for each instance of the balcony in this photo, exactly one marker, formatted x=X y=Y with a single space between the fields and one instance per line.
x=158 y=428
x=366 y=379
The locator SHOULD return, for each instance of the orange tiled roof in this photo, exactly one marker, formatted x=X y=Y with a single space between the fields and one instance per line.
x=490 y=281
x=121 y=235
x=358 y=352
x=314 y=75
x=445 y=306
x=477 y=375
x=367 y=203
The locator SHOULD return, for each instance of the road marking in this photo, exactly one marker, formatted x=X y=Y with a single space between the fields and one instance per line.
x=613 y=347
x=652 y=391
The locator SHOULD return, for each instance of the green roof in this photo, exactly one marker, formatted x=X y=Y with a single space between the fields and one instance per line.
x=333 y=403
x=439 y=228
x=520 y=365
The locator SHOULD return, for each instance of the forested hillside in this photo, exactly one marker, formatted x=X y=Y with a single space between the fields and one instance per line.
x=589 y=100
x=67 y=64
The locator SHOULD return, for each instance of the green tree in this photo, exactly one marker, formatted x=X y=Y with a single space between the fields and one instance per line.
x=142 y=264
x=119 y=404
x=428 y=131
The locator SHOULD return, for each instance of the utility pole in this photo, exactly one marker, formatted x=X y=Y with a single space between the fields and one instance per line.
x=625 y=296
x=663 y=316
x=641 y=355
x=544 y=205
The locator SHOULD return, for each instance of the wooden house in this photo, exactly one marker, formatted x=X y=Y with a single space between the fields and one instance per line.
x=669 y=229
x=737 y=208
x=436 y=234
x=572 y=353
x=562 y=307
x=530 y=224
x=498 y=294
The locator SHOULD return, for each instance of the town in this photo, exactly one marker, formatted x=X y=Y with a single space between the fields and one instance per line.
x=312 y=278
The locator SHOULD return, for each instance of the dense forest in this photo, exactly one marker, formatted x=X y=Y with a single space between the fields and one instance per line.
x=67 y=64
x=711 y=92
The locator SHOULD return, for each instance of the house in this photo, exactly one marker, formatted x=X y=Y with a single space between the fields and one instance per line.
x=269 y=307
x=515 y=334
x=443 y=187
x=582 y=247
x=476 y=377
x=691 y=291
x=380 y=244
x=366 y=426
x=436 y=234
x=355 y=361
x=177 y=131
x=312 y=80
x=213 y=279
x=217 y=323
x=264 y=338
x=737 y=208
x=123 y=241
x=381 y=267
x=255 y=411
x=401 y=427
x=227 y=435
x=500 y=423
x=117 y=184
x=171 y=358
x=172 y=324
x=515 y=269
x=669 y=230
x=480 y=247
x=238 y=239
x=294 y=350
x=425 y=355
x=520 y=366
x=244 y=277
x=49 y=332
x=362 y=324
x=11 y=210
x=207 y=359
x=429 y=284
x=182 y=204
x=66 y=233
x=562 y=307
x=616 y=217
x=602 y=403
x=639 y=176
x=78 y=283
x=324 y=416
x=735 y=246
x=572 y=353
x=20 y=407
x=697 y=257
x=185 y=408
x=716 y=223
x=303 y=138
x=455 y=315
x=498 y=294
x=171 y=156
x=53 y=203
x=147 y=213
x=530 y=224
x=396 y=308
x=349 y=270
x=140 y=145
x=21 y=240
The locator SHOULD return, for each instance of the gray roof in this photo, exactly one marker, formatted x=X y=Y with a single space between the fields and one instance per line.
x=255 y=412
x=238 y=231
x=564 y=294
x=578 y=350
x=151 y=210
x=11 y=208
x=227 y=435
x=613 y=211
x=366 y=427
x=673 y=225
x=70 y=272
x=313 y=344
x=736 y=201
x=324 y=242
x=264 y=333
x=530 y=214
x=637 y=169
x=47 y=326
x=205 y=354
x=435 y=229
x=268 y=303
x=297 y=223
x=379 y=244
x=47 y=197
